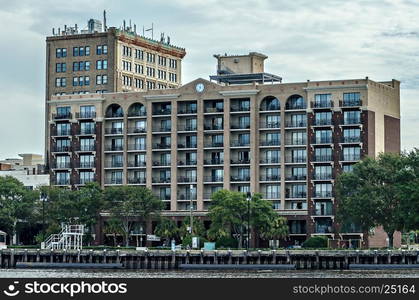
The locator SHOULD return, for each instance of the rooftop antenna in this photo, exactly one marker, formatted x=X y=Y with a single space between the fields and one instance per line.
x=130 y=27
x=124 y=26
x=162 y=37
x=168 y=40
x=152 y=31
x=104 y=21
x=135 y=28
x=53 y=31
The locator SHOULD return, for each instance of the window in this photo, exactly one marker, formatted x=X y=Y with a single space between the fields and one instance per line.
x=140 y=143
x=60 y=52
x=323 y=190
x=139 y=83
x=60 y=67
x=172 y=63
x=151 y=72
x=299 y=155
x=101 y=79
x=139 y=69
x=298 y=138
x=162 y=60
x=63 y=129
x=351 y=135
x=348 y=168
x=351 y=153
x=273 y=156
x=126 y=51
x=139 y=54
x=126 y=80
x=87 y=50
x=76 y=51
x=299 y=173
x=101 y=49
x=322 y=172
x=323 y=137
x=87 y=111
x=273 y=191
x=351 y=99
x=298 y=120
x=322 y=100
x=126 y=65
x=161 y=74
x=61 y=82
x=323 y=118
x=351 y=117
x=87 y=161
x=63 y=111
x=86 y=177
x=151 y=85
x=62 y=145
x=323 y=154
x=102 y=64
x=273 y=121
x=297 y=191
x=87 y=144
x=62 y=178
x=151 y=57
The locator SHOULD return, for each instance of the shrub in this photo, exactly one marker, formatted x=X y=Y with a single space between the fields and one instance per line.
x=226 y=242
x=316 y=242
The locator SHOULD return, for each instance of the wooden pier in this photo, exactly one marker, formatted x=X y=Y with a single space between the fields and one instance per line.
x=167 y=260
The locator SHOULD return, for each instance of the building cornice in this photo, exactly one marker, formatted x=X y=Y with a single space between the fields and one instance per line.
x=239 y=93
x=316 y=88
x=83 y=100
x=161 y=97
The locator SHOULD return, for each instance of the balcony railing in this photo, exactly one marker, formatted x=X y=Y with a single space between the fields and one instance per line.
x=323 y=229
x=187 y=110
x=161 y=163
x=137 y=113
x=86 y=115
x=270 y=107
x=322 y=140
x=113 y=181
x=56 y=181
x=87 y=164
x=187 y=128
x=240 y=162
x=137 y=147
x=214 y=178
x=270 y=125
x=323 y=158
x=114 y=130
x=270 y=178
x=323 y=194
x=187 y=145
x=299 y=141
x=139 y=180
x=163 y=197
x=214 y=109
x=162 y=111
x=289 y=106
x=271 y=196
x=114 y=115
x=63 y=132
x=137 y=130
x=187 y=163
x=162 y=129
x=323 y=122
x=323 y=176
x=161 y=180
x=297 y=159
x=61 y=165
x=136 y=164
x=240 y=126
x=296 y=195
x=324 y=212
x=63 y=116
x=214 y=144
x=186 y=179
x=186 y=196
x=213 y=161
x=213 y=127
x=160 y=146
x=271 y=143
x=296 y=177
x=61 y=149
x=114 y=164
x=114 y=148
x=351 y=103
x=322 y=104
x=240 y=143
x=236 y=108
x=351 y=157
x=86 y=131
x=239 y=178
x=351 y=121
x=293 y=124
x=83 y=181
x=351 y=139
x=270 y=161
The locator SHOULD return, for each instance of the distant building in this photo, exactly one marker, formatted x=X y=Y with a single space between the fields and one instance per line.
x=247 y=132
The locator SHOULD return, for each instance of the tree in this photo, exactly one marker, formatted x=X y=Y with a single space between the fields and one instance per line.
x=127 y=203
x=167 y=230
x=277 y=229
x=16 y=204
x=377 y=193
x=198 y=228
x=113 y=227
x=229 y=215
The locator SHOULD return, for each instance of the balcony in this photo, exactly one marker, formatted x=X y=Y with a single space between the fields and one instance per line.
x=162 y=129
x=348 y=157
x=270 y=178
x=63 y=116
x=187 y=110
x=351 y=139
x=114 y=131
x=137 y=164
x=185 y=179
x=323 y=122
x=159 y=146
x=137 y=147
x=322 y=104
x=296 y=178
x=86 y=165
x=214 y=110
x=351 y=121
x=65 y=181
x=293 y=124
x=271 y=161
x=186 y=196
x=137 y=130
x=213 y=127
x=271 y=143
x=86 y=115
x=114 y=164
x=295 y=106
x=328 y=211
x=214 y=162
x=61 y=165
x=323 y=228
x=240 y=143
x=86 y=148
x=63 y=132
x=239 y=108
x=270 y=125
x=270 y=196
x=161 y=163
x=114 y=148
x=239 y=178
x=240 y=162
x=187 y=128
x=270 y=107
x=296 y=195
x=163 y=197
x=187 y=163
x=240 y=126
x=162 y=112
x=297 y=159
x=351 y=103
x=113 y=181
x=323 y=158
x=298 y=142
x=86 y=131
x=139 y=180
x=161 y=180
x=323 y=176
x=114 y=115
x=322 y=140
x=214 y=179
x=83 y=181
x=187 y=146
x=61 y=149
x=323 y=194
x=214 y=145
x=137 y=113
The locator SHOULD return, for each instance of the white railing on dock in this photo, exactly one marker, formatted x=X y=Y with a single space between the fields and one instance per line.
x=70 y=237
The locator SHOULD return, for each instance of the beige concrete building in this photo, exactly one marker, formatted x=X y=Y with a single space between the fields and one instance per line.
x=287 y=141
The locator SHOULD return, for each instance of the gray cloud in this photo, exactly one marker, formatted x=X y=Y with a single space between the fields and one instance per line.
x=304 y=39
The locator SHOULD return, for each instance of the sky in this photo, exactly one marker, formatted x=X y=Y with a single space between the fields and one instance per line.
x=304 y=39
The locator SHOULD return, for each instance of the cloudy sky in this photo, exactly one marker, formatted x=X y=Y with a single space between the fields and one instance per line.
x=304 y=39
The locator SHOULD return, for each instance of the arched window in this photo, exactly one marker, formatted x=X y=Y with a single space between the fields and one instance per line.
x=295 y=102
x=137 y=110
x=270 y=103
x=114 y=111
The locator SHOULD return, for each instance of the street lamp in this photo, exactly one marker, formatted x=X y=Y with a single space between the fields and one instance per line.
x=190 y=210
x=248 y=198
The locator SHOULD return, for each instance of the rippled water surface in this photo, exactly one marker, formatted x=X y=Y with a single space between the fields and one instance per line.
x=66 y=273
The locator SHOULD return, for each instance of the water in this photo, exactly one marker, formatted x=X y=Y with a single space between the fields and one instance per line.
x=67 y=273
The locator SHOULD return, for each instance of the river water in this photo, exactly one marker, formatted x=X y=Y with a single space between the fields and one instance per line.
x=67 y=273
